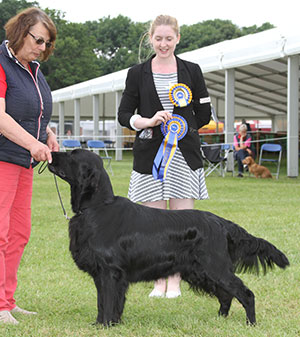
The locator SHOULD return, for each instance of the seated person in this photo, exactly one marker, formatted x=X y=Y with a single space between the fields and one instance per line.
x=242 y=144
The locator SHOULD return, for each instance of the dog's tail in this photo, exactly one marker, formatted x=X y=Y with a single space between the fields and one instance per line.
x=248 y=252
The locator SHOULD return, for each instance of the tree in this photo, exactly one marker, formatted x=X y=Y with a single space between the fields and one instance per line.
x=213 y=31
x=95 y=48
x=74 y=59
x=117 y=42
x=8 y=9
x=254 y=29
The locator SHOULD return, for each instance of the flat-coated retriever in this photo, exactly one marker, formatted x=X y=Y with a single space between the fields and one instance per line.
x=119 y=242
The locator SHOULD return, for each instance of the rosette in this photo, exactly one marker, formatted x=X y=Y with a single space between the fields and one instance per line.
x=180 y=95
x=173 y=130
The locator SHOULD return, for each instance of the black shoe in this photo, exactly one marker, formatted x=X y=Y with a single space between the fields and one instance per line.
x=240 y=175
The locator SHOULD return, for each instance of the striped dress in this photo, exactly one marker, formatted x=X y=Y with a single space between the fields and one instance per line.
x=181 y=181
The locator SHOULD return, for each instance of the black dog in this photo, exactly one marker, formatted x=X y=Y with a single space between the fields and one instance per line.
x=119 y=242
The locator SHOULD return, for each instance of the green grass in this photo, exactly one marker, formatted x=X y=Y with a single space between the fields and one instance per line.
x=65 y=298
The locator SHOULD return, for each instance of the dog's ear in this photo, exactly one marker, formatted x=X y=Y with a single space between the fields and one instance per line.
x=89 y=180
x=83 y=190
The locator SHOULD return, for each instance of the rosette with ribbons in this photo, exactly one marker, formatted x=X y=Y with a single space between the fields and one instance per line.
x=173 y=130
x=180 y=95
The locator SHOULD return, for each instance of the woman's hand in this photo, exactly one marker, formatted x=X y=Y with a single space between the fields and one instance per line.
x=161 y=116
x=52 y=141
x=40 y=152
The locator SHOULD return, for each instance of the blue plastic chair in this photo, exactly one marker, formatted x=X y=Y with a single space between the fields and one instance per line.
x=99 y=145
x=71 y=144
x=273 y=149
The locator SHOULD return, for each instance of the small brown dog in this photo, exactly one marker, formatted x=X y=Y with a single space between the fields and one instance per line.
x=258 y=170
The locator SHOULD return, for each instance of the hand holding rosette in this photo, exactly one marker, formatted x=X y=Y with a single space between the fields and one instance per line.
x=173 y=130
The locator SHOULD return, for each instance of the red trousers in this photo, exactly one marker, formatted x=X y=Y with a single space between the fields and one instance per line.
x=15 y=226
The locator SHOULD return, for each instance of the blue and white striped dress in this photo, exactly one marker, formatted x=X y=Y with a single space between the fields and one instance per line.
x=181 y=181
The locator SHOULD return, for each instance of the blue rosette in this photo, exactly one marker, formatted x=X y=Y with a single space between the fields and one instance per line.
x=173 y=130
x=180 y=95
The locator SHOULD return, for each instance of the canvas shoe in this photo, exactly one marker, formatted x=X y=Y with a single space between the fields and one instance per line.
x=18 y=310
x=173 y=294
x=7 y=317
x=156 y=293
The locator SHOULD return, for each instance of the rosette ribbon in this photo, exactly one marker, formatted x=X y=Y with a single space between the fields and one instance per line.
x=180 y=95
x=173 y=130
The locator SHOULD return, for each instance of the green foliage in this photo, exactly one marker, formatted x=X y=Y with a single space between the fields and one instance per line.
x=65 y=297
x=96 y=48
x=74 y=59
x=117 y=42
x=254 y=29
x=213 y=31
x=8 y=9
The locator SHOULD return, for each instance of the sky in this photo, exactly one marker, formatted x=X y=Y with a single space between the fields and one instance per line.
x=282 y=14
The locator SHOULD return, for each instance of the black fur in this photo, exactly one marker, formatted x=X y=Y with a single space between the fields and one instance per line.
x=119 y=242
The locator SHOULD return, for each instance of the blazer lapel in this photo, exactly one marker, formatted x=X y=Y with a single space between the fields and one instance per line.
x=149 y=82
x=184 y=75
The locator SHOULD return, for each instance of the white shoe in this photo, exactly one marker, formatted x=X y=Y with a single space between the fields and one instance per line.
x=156 y=293
x=18 y=310
x=7 y=317
x=173 y=294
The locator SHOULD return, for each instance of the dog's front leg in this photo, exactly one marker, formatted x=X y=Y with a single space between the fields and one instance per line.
x=104 y=301
x=110 y=298
x=100 y=304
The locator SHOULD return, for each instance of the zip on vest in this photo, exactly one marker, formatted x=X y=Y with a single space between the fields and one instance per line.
x=39 y=92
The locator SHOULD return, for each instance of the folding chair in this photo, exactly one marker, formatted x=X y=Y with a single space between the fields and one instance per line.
x=99 y=145
x=215 y=157
x=71 y=144
x=268 y=149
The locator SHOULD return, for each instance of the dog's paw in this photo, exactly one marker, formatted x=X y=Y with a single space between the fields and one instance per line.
x=250 y=323
x=106 y=324
x=223 y=313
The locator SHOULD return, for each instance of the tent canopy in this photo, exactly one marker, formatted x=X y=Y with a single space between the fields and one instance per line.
x=260 y=63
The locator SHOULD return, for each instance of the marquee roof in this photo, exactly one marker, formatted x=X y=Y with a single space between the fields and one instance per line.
x=260 y=63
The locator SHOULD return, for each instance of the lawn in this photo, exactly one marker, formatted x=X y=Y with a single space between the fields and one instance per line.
x=65 y=298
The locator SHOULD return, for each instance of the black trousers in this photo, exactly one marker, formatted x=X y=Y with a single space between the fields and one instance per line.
x=239 y=156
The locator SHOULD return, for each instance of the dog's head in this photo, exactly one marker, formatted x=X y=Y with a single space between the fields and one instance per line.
x=85 y=173
x=248 y=161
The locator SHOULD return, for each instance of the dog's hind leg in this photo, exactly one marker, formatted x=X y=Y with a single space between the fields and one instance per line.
x=245 y=296
x=225 y=300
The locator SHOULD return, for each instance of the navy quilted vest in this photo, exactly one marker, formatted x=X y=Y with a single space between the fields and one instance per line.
x=28 y=101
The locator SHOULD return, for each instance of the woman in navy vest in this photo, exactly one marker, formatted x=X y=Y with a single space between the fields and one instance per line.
x=25 y=139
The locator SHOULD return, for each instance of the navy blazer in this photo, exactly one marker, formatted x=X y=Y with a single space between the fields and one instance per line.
x=140 y=96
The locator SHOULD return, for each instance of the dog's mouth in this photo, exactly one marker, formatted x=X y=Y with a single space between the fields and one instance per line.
x=57 y=172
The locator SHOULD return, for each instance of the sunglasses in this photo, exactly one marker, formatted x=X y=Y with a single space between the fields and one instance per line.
x=40 y=41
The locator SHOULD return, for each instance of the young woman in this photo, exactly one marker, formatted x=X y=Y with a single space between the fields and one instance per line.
x=147 y=91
